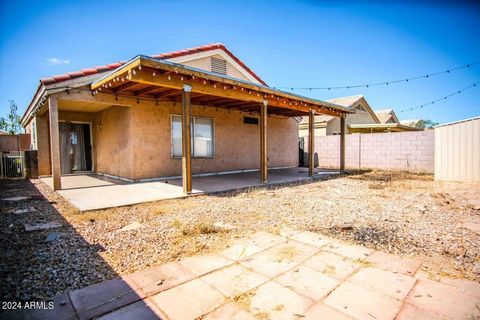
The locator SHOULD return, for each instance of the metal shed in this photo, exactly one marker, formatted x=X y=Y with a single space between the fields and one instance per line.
x=457 y=151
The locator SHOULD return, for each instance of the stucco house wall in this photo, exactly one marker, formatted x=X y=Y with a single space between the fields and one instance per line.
x=236 y=145
x=135 y=142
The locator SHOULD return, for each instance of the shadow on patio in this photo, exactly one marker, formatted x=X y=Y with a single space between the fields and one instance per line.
x=44 y=270
x=92 y=192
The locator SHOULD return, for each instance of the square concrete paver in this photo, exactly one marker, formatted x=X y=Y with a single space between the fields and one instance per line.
x=104 y=297
x=159 y=278
x=444 y=300
x=410 y=312
x=350 y=251
x=200 y=265
x=280 y=258
x=246 y=247
x=234 y=280
x=394 y=263
x=189 y=300
x=333 y=265
x=394 y=285
x=309 y=282
x=311 y=238
x=273 y=301
x=320 y=311
x=362 y=303
x=471 y=288
x=231 y=311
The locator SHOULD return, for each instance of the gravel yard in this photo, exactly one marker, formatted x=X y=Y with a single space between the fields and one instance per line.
x=399 y=213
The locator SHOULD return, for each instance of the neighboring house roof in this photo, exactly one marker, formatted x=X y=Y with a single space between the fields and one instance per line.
x=387 y=116
x=168 y=55
x=410 y=122
x=349 y=102
x=380 y=127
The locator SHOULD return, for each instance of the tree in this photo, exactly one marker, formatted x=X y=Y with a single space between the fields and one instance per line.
x=425 y=124
x=11 y=124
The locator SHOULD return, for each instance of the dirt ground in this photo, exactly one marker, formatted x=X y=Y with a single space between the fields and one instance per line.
x=401 y=213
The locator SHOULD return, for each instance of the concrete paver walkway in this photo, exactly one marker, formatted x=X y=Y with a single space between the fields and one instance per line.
x=293 y=275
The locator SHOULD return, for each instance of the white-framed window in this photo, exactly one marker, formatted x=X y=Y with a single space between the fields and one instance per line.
x=203 y=138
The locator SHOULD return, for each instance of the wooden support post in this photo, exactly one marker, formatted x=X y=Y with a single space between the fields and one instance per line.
x=263 y=142
x=54 y=143
x=311 y=143
x=342 y=144
x=186 y=140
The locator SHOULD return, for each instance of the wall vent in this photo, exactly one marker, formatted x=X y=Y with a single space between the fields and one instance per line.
x=250 y=120
x=218 y=65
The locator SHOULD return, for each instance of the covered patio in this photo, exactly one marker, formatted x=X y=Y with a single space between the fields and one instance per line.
x=92 y=191
x=156 y=81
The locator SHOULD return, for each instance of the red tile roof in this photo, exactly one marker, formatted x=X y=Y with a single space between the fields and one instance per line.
x=168 y=55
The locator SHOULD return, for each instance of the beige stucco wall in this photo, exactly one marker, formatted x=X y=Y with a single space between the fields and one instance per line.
x=237 y=144
x=113 y=145
x=135 y=142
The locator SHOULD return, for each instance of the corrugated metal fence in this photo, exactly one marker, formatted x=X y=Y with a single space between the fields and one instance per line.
x=457 y=151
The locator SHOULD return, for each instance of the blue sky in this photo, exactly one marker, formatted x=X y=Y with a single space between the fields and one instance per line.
x=288 y=43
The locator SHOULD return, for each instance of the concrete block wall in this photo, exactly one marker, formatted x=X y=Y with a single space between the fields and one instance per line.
x=413 y=151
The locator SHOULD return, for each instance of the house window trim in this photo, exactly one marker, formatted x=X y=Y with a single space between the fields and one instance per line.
x=192 y=133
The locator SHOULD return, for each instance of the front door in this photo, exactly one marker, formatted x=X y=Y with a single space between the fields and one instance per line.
x=75 y=147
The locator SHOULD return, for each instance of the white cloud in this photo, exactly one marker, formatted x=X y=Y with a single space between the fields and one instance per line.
x=57 y=61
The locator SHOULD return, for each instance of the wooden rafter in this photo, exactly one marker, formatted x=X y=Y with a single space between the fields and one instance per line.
x=151 y=72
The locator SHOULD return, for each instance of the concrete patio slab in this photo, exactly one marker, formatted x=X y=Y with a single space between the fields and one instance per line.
x=234 y=280
x=394 y=263
x=311 y=238
x=200 y=265
x=159 y=278
x=279 y=279
x=333 y=265
x=92 y=192
x=246 y=247
x=189 y=300
x=361 y=303
x=321 y=311
x=353 y=252
x=280 y=258
x=410 y=312
x=230 y=311
x=388 y=283
x=444 y=300
x=308 y=282
x=273 y=301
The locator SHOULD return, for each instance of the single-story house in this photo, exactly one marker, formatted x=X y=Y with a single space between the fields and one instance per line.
x=364 y=120
x=198 y=110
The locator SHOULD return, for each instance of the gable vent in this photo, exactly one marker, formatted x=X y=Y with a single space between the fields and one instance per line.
x=219 y=65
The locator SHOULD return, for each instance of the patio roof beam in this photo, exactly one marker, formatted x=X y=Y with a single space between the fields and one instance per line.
x=174 y=81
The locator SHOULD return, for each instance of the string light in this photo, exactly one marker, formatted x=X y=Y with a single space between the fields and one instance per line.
x=368 y=85
x=442 y=98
